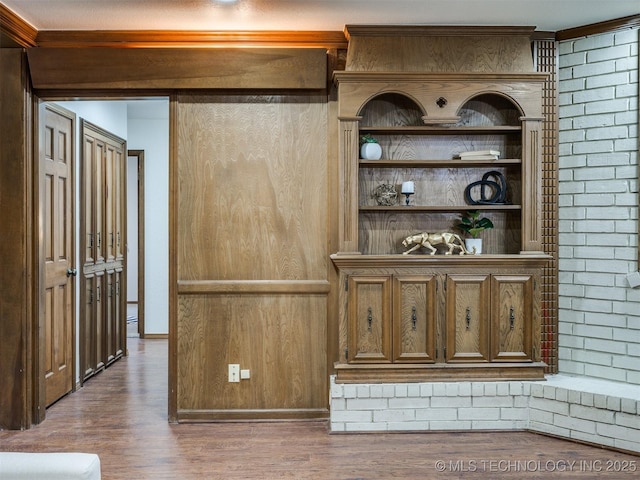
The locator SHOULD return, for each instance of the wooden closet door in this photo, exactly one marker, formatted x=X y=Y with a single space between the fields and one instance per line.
x=58 y=241
x=103 y=216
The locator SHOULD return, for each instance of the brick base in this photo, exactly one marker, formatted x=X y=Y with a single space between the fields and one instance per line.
x=596 y=411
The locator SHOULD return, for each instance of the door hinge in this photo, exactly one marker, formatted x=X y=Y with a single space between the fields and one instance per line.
x=346 y=353
x=346 y=284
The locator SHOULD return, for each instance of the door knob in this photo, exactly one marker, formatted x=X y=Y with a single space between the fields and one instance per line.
x=71 y=272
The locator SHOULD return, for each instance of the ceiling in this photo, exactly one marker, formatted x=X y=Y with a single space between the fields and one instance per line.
x=300 y=15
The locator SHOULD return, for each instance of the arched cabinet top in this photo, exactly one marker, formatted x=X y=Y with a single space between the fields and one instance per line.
x=440 y=98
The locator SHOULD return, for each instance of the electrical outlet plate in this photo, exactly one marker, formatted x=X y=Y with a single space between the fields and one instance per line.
x=234 y=372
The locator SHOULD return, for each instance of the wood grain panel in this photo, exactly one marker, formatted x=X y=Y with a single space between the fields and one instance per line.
x=19 y=355
x=434 y=49
x=281 y=339
x=251 y=255
x=174 y=68
x=414 y=318
x=369 y=337
x=468 y=312
x=514 y=318
x=252 y=200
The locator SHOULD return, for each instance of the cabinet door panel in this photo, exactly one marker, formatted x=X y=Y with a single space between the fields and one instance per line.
x=468 y=307
x=99 y=317
x=512 y=321
x=369 y=319
x=89 y=200
x=414 y=319
x=87 y=327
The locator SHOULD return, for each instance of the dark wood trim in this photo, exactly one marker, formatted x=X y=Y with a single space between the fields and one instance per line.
x=178 y=68
x=436 y=30
x=438 y=372
x=14 y=31
x=254 y=287
x=181 y=38
x=173 y=259
x=609 y=26
x=139 y=154
x=202 y=416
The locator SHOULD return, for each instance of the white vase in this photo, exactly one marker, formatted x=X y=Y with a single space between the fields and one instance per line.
x=371 y=151
x=471 y=243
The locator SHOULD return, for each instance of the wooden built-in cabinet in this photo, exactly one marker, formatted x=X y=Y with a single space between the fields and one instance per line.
x=436 y=317
x=103 y=304
x=419 y=318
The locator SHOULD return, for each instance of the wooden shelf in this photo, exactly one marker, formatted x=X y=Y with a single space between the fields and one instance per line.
x=435 y=208
x=440 y=163
x=440 y=130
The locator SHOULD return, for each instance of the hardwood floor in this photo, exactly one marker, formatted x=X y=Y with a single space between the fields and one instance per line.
x=121 y=414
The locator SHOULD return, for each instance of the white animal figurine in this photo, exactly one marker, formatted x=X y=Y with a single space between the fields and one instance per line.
x=428 y=240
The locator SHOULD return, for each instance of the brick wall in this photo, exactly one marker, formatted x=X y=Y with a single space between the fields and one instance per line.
x=590 y=410
x=599 y=314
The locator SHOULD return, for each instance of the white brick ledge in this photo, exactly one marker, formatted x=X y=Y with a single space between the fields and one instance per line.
x=579 y=408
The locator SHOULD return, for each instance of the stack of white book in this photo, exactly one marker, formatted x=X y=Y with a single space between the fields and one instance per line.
x=480 y=155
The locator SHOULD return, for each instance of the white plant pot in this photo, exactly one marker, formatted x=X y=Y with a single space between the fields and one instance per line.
x=472 y=243
x=371 y=151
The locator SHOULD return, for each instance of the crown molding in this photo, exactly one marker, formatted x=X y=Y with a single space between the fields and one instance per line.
x=610 y=26
x=435 y=30
x=14 y=30
x=192 y=39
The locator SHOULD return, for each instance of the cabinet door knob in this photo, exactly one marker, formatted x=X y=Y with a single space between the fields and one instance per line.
x=369 y=318
x=468 y=318
x=414 y=318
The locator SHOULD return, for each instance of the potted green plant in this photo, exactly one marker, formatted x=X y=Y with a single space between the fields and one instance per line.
x=473 y=225
x=369 y=147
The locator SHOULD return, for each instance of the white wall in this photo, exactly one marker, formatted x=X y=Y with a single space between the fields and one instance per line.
x=109 y=115
x=132 y=229
x=148 y=130
x=145 y=126
x=599 y=316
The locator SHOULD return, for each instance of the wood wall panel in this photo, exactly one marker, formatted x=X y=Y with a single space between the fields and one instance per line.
x=251 y=255
x=377 y=48
x=279 y=338
x=174 y=68
x=252 y=199
x=19 y=356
